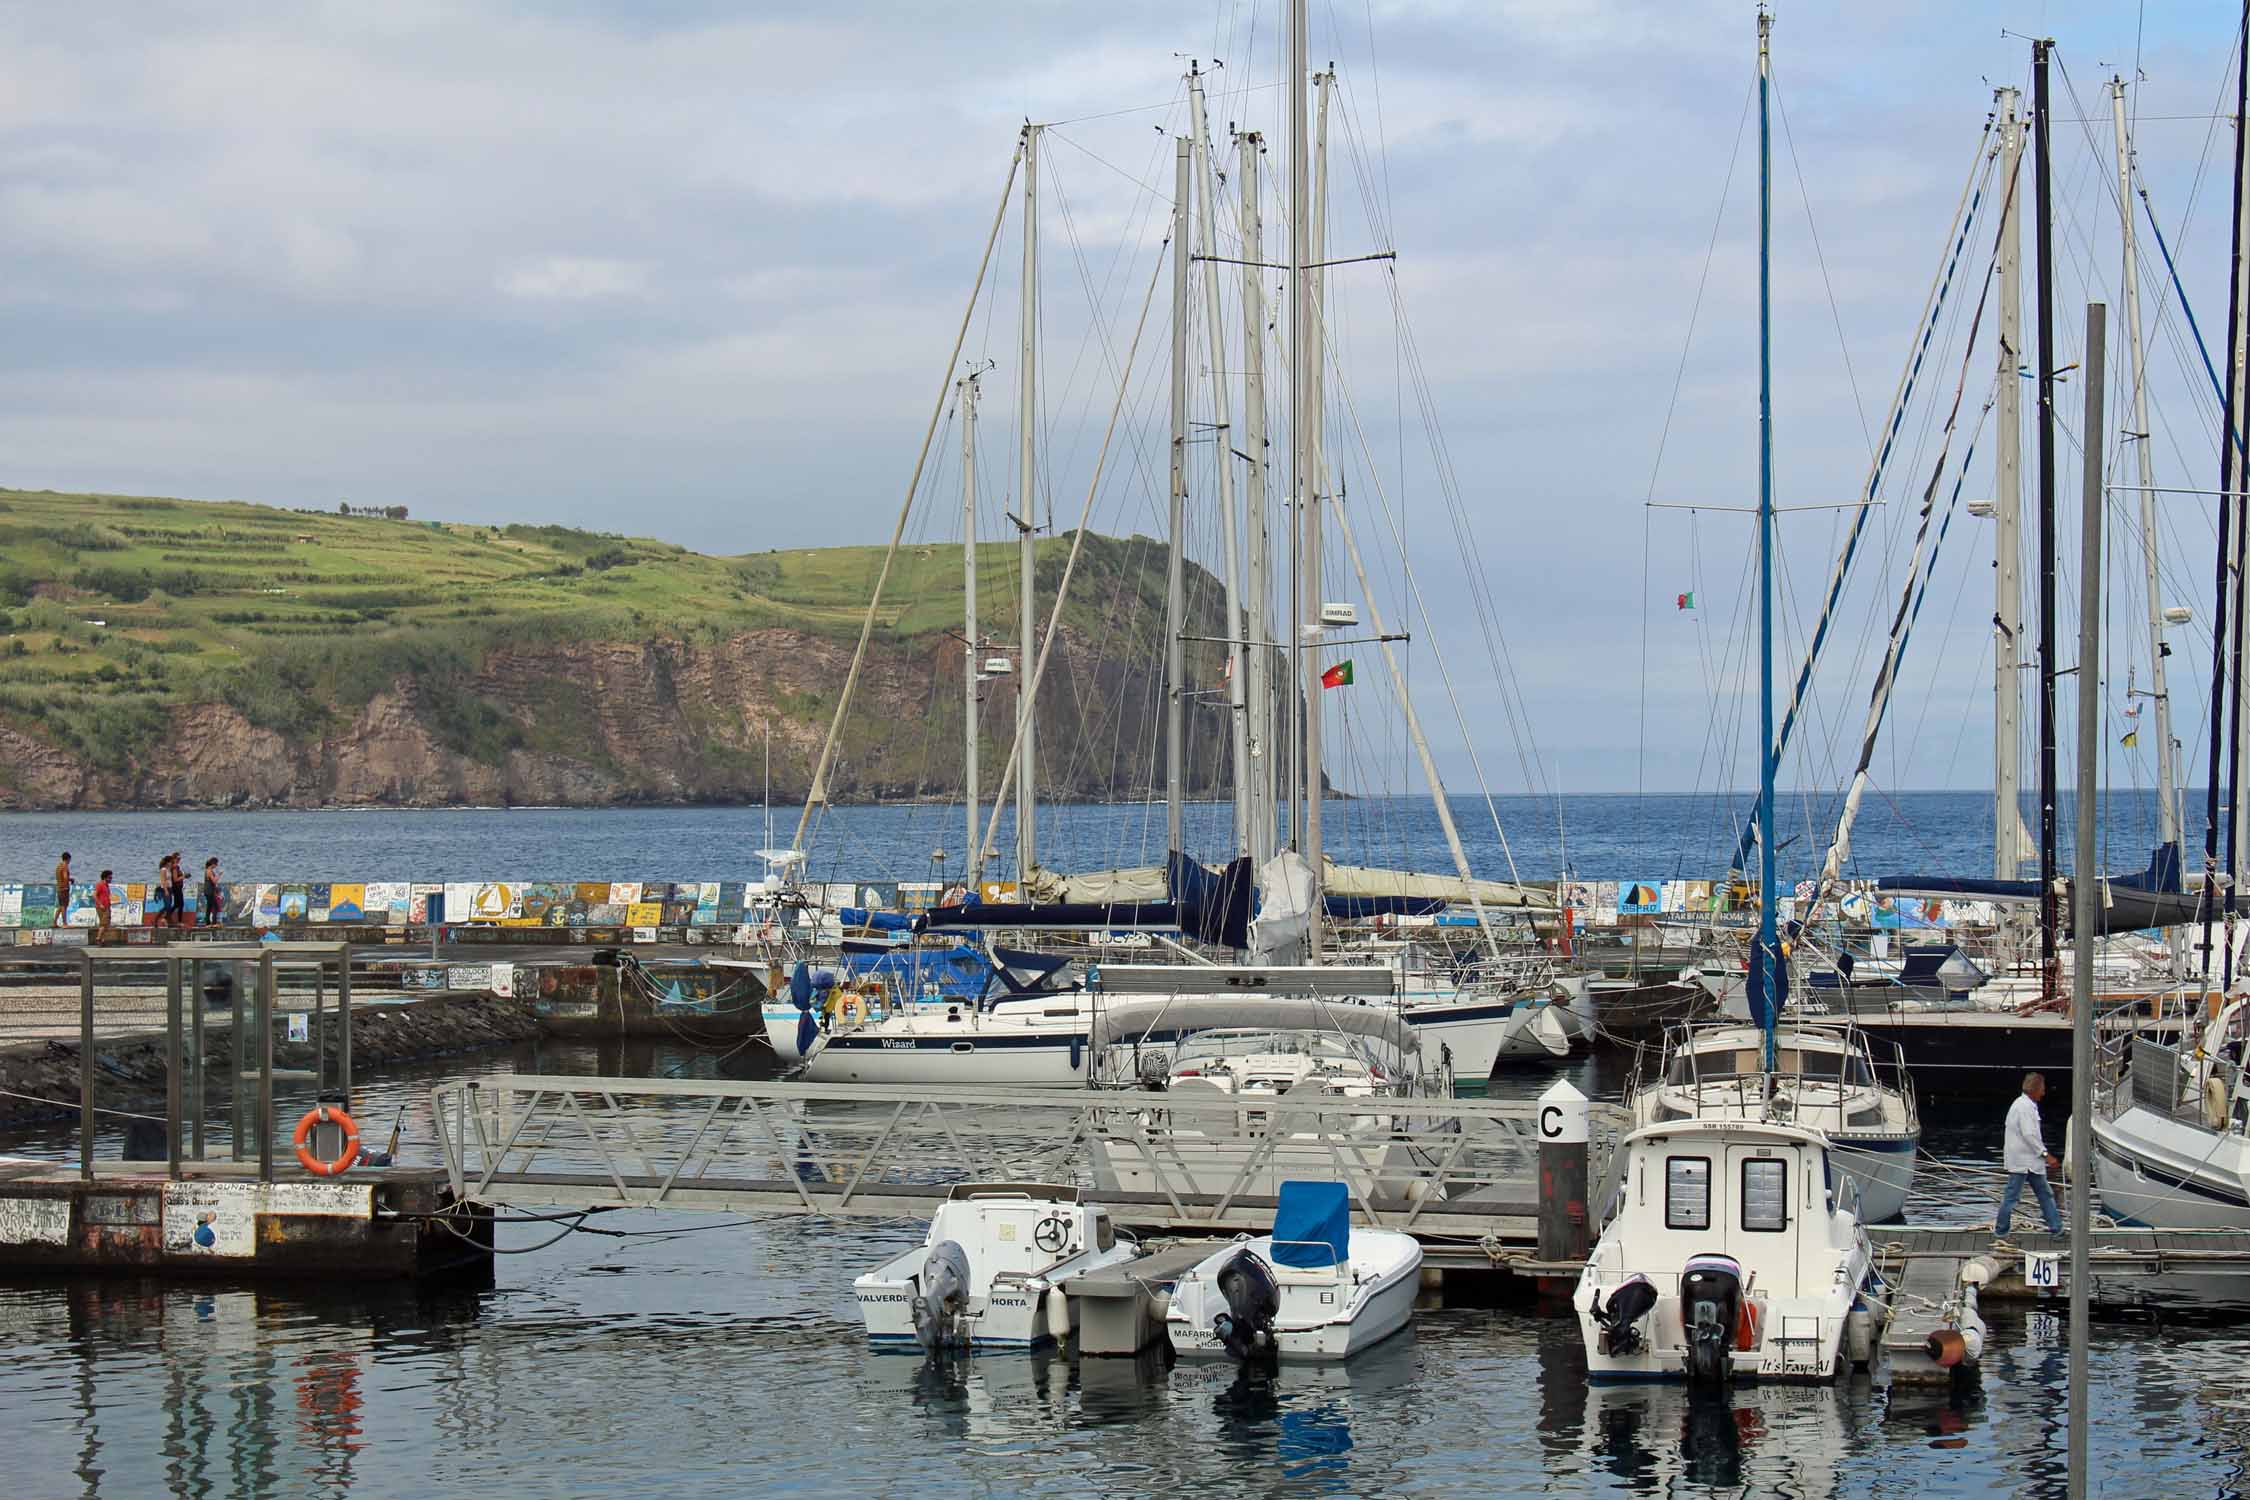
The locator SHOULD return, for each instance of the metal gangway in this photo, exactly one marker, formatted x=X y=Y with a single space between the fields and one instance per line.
x=1459 y=1174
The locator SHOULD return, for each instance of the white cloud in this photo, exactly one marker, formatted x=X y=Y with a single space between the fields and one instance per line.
x=572 y=278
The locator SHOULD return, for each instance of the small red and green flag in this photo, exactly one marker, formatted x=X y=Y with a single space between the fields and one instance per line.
x=1687 y=600
x=1340 y=675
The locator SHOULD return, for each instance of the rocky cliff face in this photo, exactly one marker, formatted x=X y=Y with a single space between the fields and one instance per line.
x=667 y=719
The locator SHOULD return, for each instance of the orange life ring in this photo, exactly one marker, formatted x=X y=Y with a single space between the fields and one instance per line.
x=313 y=1164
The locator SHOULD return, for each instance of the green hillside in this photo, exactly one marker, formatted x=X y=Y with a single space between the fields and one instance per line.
x=115 y=610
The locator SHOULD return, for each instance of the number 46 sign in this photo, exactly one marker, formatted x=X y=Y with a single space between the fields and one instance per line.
x=2042 y=1272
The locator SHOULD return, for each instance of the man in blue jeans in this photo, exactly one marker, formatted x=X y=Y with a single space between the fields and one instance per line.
x=2025 y=1156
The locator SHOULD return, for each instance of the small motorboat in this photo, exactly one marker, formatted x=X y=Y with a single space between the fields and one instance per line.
x=1314 y=1289
x=991 y=1271
x=1728 y=1257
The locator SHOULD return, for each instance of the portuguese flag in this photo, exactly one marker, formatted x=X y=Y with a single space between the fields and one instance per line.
x=1340 y=675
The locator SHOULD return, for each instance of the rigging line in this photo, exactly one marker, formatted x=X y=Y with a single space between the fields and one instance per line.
x=817 y=792
x=1703 y=282
x=1142 y=109
x=1077 y=544
x=1981 y=169
x=1820 y=257
x=1422 y=608
x=1150 y=188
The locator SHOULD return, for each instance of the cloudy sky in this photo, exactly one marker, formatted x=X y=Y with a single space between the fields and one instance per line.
x=693 y=270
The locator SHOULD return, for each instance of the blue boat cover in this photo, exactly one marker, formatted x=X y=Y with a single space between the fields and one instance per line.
x=1312 y=1225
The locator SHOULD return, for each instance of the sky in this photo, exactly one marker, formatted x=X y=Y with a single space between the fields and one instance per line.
x=695 y=270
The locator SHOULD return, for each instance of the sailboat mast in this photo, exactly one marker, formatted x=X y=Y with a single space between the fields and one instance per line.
x=1765 y=995
x=1175 y=612
x=2042 y=149
x=1206 y=243
x=2167 y=755
x=1313 y=371
x=2231 y=482
x=969 y=658
x=2230 y=519
x=1027 y=496
x=1299 y=480
x=2008 y=836
x=2167 y=768
x=1257 y=557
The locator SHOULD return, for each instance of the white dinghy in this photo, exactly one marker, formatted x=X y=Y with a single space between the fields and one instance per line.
x=991 y=1271
x=1314 y=1289
x=1728 y=1257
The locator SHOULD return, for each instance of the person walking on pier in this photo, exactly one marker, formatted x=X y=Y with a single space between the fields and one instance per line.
x=102 y=900
x=2026 y=1158
x=212 y=904
x=160 y=894
x=62 y=890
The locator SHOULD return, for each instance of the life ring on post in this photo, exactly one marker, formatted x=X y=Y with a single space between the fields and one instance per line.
x=325 y=1114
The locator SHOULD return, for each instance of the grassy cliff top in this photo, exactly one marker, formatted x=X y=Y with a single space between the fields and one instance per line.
x=116 y=607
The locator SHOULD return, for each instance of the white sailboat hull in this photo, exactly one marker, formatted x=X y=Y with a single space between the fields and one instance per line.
x=2168 y=1174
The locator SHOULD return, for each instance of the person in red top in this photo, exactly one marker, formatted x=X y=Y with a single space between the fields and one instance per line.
x=101 y=907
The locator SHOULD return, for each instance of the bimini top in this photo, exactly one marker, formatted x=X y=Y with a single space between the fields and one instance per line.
x=1125 y=1021
x=1312 y=1225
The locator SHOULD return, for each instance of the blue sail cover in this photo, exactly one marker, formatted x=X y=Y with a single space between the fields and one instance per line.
x=1312 y=1225
x=1214 y=906
x=878 y=921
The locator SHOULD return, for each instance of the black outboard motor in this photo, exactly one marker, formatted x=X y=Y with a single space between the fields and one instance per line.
x=1253 y=1302
x=1710 y=1313
x=943 y=1298
x=1620 y=1318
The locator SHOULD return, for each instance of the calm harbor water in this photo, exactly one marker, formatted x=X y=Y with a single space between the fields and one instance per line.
x=691 y=1355
x=1598 y=837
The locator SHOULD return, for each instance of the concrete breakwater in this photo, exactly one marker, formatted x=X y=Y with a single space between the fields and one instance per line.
x=39 y=1080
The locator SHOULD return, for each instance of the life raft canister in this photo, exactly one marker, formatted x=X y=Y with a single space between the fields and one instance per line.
x=322 y=1114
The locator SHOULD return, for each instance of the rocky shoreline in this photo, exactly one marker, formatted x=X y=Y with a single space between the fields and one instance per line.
x=39 y=1081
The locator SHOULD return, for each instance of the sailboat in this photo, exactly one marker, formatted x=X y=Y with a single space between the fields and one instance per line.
x=1734 y=1250
x=2171 y=1128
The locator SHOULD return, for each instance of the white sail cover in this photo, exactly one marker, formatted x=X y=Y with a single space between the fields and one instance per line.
x=1282 y=931
x=1364 y=880
x=1100 y=887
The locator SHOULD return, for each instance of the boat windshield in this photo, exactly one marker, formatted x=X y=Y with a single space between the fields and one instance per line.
x=1691 y=1068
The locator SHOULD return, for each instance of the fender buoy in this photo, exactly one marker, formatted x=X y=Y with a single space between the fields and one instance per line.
x=324 y=1114
x=2215 y=1102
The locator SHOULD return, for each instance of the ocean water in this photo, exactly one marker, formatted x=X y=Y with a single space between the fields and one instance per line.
x=1594 y=837
x=696 y=1354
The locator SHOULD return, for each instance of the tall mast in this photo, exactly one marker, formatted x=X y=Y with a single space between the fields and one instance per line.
x=969 y=658
x=2231 y=482
x=2010 y=840
x=2042 y=142
x=1299 y=481
x=1313 y=372
x=1027 y=525
x=1206 y=246
x=2167 y=761
x=2230 y=520
x=1765 y=976
x=1257 y=570
x=1175 y=612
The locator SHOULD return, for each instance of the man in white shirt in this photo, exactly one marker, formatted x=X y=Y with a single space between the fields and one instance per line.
x=2026 y=1159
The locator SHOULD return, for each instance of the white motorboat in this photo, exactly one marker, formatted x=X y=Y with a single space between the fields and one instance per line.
x=991 y=1271
x=2172 y=1136
x=1314 y=1289
x=1728 y=1256
x=1220 y=1089
x=1831 y=1079
x=1492 y=1009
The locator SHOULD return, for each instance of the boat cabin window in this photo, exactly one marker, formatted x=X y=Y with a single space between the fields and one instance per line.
x=1687 y=1192
x=1765 y=1194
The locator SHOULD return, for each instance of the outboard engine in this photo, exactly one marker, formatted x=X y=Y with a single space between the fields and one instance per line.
x=1253 y=1302
x=1620 y=1319
x=942 y=1303
x=1710 y=1314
